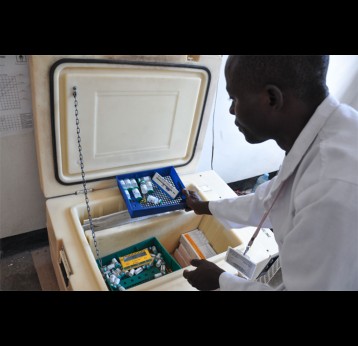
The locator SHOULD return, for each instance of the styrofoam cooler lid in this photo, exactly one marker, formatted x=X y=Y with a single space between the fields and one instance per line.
x=133 y=116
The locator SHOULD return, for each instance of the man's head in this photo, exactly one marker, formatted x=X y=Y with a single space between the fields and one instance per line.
x=270 y=91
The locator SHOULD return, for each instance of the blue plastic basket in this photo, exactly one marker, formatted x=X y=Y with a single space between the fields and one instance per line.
x=137 y=209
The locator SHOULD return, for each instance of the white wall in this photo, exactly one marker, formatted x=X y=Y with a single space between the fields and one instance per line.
x=22 y=204
x=342 y=78
x=234 y=158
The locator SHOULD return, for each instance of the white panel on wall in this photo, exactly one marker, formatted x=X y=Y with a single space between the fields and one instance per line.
x=234 y=158
x=342 y=78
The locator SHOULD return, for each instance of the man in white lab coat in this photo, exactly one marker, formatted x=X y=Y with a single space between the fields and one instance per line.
x=315 y=217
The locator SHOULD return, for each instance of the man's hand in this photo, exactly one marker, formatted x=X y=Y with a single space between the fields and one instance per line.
x=194 y=202
x=205 y=277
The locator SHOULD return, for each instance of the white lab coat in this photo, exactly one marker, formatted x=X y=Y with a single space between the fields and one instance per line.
x=315 y=219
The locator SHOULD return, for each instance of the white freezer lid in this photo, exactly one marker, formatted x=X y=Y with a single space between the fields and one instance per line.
x=134 y=115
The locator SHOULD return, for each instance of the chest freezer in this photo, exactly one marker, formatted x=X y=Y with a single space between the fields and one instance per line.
x=135 y=113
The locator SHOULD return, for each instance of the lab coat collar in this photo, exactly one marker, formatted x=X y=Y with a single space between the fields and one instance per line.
x=302 y=143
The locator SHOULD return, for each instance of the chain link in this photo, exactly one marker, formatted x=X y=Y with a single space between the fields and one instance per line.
x=84 y=183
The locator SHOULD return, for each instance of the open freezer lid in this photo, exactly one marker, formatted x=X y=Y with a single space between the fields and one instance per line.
x=133 y=115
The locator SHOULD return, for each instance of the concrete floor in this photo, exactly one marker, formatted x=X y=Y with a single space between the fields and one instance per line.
x=18 y=271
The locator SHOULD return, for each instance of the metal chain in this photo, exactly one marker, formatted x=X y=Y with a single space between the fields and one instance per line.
x=84 y=183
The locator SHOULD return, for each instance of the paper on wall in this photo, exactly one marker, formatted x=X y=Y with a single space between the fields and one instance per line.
x=15 y=96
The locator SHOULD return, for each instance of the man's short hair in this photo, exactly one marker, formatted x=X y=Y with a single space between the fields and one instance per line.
x=304 y=75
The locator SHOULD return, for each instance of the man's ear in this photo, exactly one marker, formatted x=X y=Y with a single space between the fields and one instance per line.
x=275 y=96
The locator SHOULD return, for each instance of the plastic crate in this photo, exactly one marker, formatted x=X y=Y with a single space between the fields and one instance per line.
x=147 y=274
x=136 y=208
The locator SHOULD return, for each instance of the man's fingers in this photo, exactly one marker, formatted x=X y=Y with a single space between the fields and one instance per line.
x=188 y=193
x=185 y=192
x=186 y=273
x=195 y=262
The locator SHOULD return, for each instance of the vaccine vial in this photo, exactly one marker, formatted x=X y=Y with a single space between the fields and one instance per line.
x=138 y=270
x=134 y=183
x=150 y=187
x=137 y=194
x=153 y=199
x=128 y=184
x=110 y=266
x=143 y=187
x=128 y=195
x=147 y=178
x=123 y=184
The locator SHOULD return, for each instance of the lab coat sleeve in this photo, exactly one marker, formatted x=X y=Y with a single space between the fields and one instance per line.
x=321 y=251
x=230 y=282
x=242 y=210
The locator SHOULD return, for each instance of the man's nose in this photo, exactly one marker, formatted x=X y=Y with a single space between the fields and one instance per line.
x=232 y=108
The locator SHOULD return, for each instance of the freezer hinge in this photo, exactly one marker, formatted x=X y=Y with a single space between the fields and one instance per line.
x=81 y=192
x=65 y=266
x=193 y=57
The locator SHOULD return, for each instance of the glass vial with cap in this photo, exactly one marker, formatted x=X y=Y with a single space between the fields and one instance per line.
x=134 y=184
x=128 y=184
x=143 y=187
x=150 y=187
x=137 y=194
x=123 y=184
x=153 y=199
x=128 y=195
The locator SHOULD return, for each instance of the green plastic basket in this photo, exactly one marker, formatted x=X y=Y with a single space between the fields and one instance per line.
x=148 y=274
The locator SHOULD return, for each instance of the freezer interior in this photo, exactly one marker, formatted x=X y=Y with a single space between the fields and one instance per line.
x=166 y=227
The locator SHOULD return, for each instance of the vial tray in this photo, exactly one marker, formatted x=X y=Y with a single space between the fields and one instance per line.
x=147 y=274
x=145 y=208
